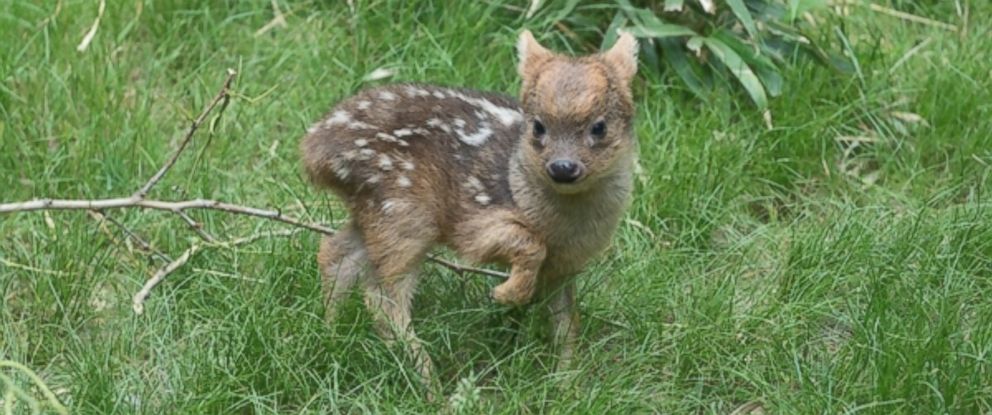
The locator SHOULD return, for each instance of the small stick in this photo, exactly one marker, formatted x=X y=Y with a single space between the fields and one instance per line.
x=464 y=268
x=142 y=243
x=138 y=301
x=223 y=95
x=195 y=226
x=912 y=17
x=179 y=207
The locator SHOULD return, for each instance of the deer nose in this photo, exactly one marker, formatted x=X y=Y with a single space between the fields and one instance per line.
x=564 y=171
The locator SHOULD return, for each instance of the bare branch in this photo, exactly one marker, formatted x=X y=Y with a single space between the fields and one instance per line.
x=175 y=207
x=464 y=268
x=195 y=226
x=223 y=95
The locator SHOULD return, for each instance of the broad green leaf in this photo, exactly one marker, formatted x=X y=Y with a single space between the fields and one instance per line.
x=674 y=5
x=649 y=55
x=660 y=30
x=798 y=7
x=610 y=37
x=740 y=69
x=765 y=10
x=564 y=11
x=742 y=13
x=771 y=79
x=766 y=70
x=751 y=55
x=676 y=57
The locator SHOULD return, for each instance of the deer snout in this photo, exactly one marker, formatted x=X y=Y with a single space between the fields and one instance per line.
x=564 y=170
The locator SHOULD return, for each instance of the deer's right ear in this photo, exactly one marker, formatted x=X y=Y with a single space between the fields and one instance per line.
x=531 y=54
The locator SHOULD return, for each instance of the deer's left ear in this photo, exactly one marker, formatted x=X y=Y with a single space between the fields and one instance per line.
x=623 y=56
x=531 y=54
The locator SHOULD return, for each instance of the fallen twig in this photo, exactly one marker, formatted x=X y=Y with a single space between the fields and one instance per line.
x=142 y=243
x=464 y=268
x=222 y=96
x=138 y=301
x=85 y=43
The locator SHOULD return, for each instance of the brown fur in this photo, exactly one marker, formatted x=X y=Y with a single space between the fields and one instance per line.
x=421 y=165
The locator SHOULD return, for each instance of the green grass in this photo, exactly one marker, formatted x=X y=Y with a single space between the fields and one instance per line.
x=756 y=265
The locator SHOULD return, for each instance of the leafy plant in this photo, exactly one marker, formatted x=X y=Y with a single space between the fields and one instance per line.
x=704 y=41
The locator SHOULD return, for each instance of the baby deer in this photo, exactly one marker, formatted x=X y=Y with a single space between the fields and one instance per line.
x=539 y=185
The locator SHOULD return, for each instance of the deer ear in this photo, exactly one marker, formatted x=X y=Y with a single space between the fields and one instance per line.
x=530 y=53
x=623 y=56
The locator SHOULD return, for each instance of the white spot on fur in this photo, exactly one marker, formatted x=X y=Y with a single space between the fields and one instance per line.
x=388 y=205
x=364 y=104
x=403 y=132
x=386 y=137
x=473 y=182
x=350 y=154
x=403 y=143
x=373 y=179
x=439 y=95
x=404 y=182
x=361 y=142
x=313 y=128
x=360 y=125
x=366 y=154
x=413 y=91
x=386 y=95
x=339 y=117
x=477 y=137
x=480 y=115
x=340 y=169
x=406 y=165
x=506 y=116
x=483 y=199
x=421 y=131
x=437 y=123
x=459 y=123
x=385 y=163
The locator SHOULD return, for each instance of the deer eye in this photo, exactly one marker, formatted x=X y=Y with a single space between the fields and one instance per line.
x=538 y=128
x=598 y=129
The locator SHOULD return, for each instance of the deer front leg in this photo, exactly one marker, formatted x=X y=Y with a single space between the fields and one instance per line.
x=525 y=262
x=564 y=324
x=500 y=236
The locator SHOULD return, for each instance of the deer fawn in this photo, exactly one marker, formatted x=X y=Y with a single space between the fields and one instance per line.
x=539 y=185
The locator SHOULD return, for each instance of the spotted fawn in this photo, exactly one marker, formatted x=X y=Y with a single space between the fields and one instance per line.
x=538 y=184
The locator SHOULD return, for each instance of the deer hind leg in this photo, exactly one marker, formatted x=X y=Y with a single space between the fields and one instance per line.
x=343 y=261
x=397 y=246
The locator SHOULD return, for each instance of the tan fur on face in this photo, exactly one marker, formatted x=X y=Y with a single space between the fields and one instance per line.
x=570 y=90
x=567 y=95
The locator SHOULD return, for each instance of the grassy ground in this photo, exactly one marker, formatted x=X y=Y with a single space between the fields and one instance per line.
x=777 y=266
